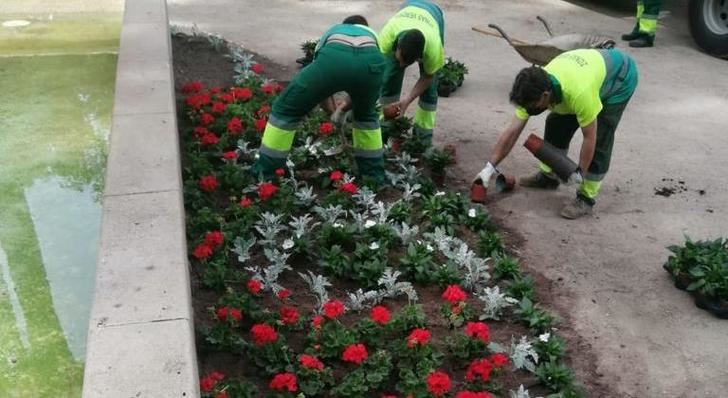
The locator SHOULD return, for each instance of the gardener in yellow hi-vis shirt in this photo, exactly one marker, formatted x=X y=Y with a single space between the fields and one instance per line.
x=582 y=88
x=347 y=58
x=416 y=33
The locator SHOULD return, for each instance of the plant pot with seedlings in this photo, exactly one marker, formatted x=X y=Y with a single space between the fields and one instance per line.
x=396 y=130
x=450 y=77
x=438 y=160
x=309 y=48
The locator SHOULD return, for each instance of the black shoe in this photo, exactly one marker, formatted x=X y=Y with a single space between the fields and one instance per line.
x=632 y=36
x=642 y=42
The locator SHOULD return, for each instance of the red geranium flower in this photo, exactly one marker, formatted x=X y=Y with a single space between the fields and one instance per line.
x=263 y=111
x=200 y=132
x=453 y=294
x=222 y=394
x=235 y=126
x=283 y=294
x=284 y=382
x=206 y=119
x=209 y=139
x=316 y=321
x=215 y=90
x=280 y=172
x=418 y=336
x=257 y=68
x=499 y=360
x=208 y=183
x=311 y=362
x=230 y=155
x=260 y=125
x=218 y=107
x=254 y=286
x=227 y=98
x=469 y=394
x=192 y=87
x=478 y=330
x=438 y=383
x=224 y=313
x=355 y=353
x=202 y=251
x=263 y=334
x=197 y=101
x=214 y=238
x=207 y=384
x=242 y=93
x=245 y=202
x=479 y=370
x=380 y=315
x=269 y=88
x=349 y=188
x=333 y=308
x=289 y=315
x=266 y=190
x=336 y=175
x=326 y=128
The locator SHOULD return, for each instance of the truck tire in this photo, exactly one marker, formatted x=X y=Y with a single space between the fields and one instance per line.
x=709 y=25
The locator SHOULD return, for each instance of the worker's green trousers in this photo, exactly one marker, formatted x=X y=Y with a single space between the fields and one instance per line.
x=337 y=67
x=647 y=13
x=560 y=130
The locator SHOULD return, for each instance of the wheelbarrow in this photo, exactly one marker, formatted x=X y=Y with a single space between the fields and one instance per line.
x=543 y=52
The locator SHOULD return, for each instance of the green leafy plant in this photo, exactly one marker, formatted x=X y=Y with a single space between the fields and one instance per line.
x=490 y=244
x=506 y=267
x=417 y=264
x=521 y=287
x=437 y=160
x=534 y=317
x=555 y=375
x=368 y=377
x=550 y=347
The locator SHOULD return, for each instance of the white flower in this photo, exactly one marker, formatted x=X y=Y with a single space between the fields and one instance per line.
x=545 y=337
x=287 y=244
x=430 y=248
x=471 y=213
x=374 y=246
x=369 y=224
x=439 y=193
x=338 y=225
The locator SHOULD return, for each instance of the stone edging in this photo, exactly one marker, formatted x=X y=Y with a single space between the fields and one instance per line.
x=141 y=331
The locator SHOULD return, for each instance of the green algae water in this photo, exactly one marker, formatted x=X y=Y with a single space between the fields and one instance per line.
x=57 y=79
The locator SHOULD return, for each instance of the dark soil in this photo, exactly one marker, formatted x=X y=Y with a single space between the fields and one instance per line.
x=194 y=59
x=673 y=187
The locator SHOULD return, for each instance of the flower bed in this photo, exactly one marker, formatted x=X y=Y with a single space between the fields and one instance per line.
x=318 y=284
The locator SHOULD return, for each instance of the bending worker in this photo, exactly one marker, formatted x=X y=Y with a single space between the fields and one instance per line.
x=643 y=33
x=347 y=58
x=587 y=89
x=415 y=33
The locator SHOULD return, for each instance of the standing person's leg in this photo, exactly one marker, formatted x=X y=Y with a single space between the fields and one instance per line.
x=586 y=194
x=424 y=120
x=647 y=24
x=559 y=131
x=307 y=89
x=635 y=34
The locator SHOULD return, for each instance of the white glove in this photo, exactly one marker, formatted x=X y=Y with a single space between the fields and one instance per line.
x=575 y=178
x=485 y=174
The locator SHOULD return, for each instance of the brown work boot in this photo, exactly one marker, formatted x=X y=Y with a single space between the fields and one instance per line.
x=577 y=208
x=540 y=181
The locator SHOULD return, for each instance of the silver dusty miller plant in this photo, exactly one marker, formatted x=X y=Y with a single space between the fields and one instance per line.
x=330 y=214
x=520 y=353
x=359 y=300
x=494 y=302
x=268 y=276
x=317 y=284
x=301 y=225
x=405 y=233
x=242 y=248
x=305 y=196
x=390 y=288
x=269 y=227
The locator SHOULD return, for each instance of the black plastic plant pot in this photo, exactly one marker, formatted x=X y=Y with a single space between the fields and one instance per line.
x=682 y=280
x=444 y=90
x=714 y=305
x=460 y=81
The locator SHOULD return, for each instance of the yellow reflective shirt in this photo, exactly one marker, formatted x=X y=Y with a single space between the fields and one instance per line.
x=433 y=57
x=580 y=75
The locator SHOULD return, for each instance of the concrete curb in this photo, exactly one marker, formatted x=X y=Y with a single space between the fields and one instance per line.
x=141 y=332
